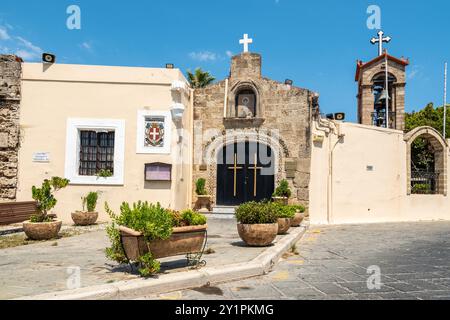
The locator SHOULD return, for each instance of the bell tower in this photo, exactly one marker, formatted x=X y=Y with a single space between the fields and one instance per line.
x=381 y=87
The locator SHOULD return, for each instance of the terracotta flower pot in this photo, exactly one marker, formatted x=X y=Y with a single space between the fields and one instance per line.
x=284 y=224
x=258 y=235
x=42 y=230
x=183 y=240
x=281 y=200
x=203 y=204
x=297 y=220
x=81 y=218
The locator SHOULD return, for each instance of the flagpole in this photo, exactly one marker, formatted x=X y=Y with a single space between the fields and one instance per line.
x=387 y=91
x=445 y=101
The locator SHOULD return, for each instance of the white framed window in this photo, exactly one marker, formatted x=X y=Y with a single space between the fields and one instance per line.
x=154 y=132
x=93 y=145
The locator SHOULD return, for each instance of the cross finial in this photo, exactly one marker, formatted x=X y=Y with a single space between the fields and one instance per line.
x=380 y=41
x=245 y=41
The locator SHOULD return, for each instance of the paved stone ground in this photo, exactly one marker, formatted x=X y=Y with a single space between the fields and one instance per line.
x=42 y=267
x=414 y=259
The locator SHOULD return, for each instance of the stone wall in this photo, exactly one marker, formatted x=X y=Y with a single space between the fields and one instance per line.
x=10 y=85
x=283 y=110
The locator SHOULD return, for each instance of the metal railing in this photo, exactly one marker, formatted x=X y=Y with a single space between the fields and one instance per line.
x=423 y=182
x=379 y=119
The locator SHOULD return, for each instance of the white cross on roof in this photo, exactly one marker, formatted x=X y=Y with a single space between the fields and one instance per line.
x=245 y=41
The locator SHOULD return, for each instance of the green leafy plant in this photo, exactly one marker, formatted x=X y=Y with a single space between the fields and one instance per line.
x=283 y=190
x=104 y=173
x=256 y=213
x=200 y=187
x=153 y=221
x=421 y=188
x=283 y=211
x=192 y=218
x=90 y=201
x=298 y=207
x=45 y=198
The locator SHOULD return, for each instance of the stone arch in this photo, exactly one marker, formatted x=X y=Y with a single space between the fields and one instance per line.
x=238 y=87
x=440 y=148
x=216 y=143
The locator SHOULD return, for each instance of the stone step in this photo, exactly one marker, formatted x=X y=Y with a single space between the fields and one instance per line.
x=223 y=210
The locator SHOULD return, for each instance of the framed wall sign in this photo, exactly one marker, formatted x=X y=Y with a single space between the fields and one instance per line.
x=158 y=171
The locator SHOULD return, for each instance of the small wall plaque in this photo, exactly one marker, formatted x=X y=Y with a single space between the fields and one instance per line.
x=158 y=172
x=41 y=157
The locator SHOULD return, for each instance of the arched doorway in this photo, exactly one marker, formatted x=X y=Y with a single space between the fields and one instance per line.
x=245 y=172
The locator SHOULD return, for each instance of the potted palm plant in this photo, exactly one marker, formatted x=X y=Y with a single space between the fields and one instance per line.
x=282 y=193
x=203 y=204
x=41 y=226
x=257 y=223
x=89 y=217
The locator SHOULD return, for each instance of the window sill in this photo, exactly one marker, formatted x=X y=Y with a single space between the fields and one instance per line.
x=93 y=180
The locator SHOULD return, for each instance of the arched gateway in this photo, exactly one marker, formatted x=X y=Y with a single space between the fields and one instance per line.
x=245 y=172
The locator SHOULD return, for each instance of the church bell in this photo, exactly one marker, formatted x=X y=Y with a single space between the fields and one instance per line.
x=380 y=99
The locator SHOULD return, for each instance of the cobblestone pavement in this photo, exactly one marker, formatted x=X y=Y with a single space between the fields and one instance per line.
x=332 y=263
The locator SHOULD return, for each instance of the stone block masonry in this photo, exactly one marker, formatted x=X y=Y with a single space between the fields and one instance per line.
x=10 y=96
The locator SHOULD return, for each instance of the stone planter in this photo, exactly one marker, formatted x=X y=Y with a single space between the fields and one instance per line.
x=281 y=200
x=297 y=220
x=203 y=204
x=42 y=230
x=284 y=224
x=258 y=235
x=184 y=240
x=81 y=218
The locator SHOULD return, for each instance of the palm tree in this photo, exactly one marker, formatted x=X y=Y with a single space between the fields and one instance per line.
x=200 y=78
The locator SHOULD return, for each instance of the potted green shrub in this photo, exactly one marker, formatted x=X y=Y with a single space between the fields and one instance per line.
x=257 y=223
x=89 y=217
x=41 y=226
x=203 y=204
x=285 y=214
x=145 y=232
x=299 y=215
x=282 y=193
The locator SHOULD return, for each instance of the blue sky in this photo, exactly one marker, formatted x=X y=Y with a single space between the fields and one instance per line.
x=315 y=43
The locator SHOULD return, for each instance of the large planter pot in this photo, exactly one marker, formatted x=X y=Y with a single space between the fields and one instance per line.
x=281 y=200
x=297 y=220
x=42 y=230
x=184 y=240
x=258 y=235
x=203 y=204
x=284 y=224
x=81 y=218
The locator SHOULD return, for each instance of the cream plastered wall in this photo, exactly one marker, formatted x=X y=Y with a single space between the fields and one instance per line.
x=361 y=178
x=51 y=95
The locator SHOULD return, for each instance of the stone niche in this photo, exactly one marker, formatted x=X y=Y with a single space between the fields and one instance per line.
x=283 y=110
x=10 y=79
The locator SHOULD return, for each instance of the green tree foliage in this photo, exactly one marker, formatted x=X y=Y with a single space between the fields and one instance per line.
x=200 y=78
x=422 y=154
x=45 y=198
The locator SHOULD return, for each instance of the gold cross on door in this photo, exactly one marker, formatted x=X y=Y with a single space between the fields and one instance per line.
x=255 y=172
x=235 y=168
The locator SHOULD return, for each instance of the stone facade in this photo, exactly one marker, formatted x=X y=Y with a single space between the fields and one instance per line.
x=282 y=121
x=365 y=75
x=10 y=95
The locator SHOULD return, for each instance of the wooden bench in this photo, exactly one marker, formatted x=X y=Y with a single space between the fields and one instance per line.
x=16 y=212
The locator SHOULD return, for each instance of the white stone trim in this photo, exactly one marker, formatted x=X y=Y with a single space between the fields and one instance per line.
x=73 y=146
x=140 y=148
